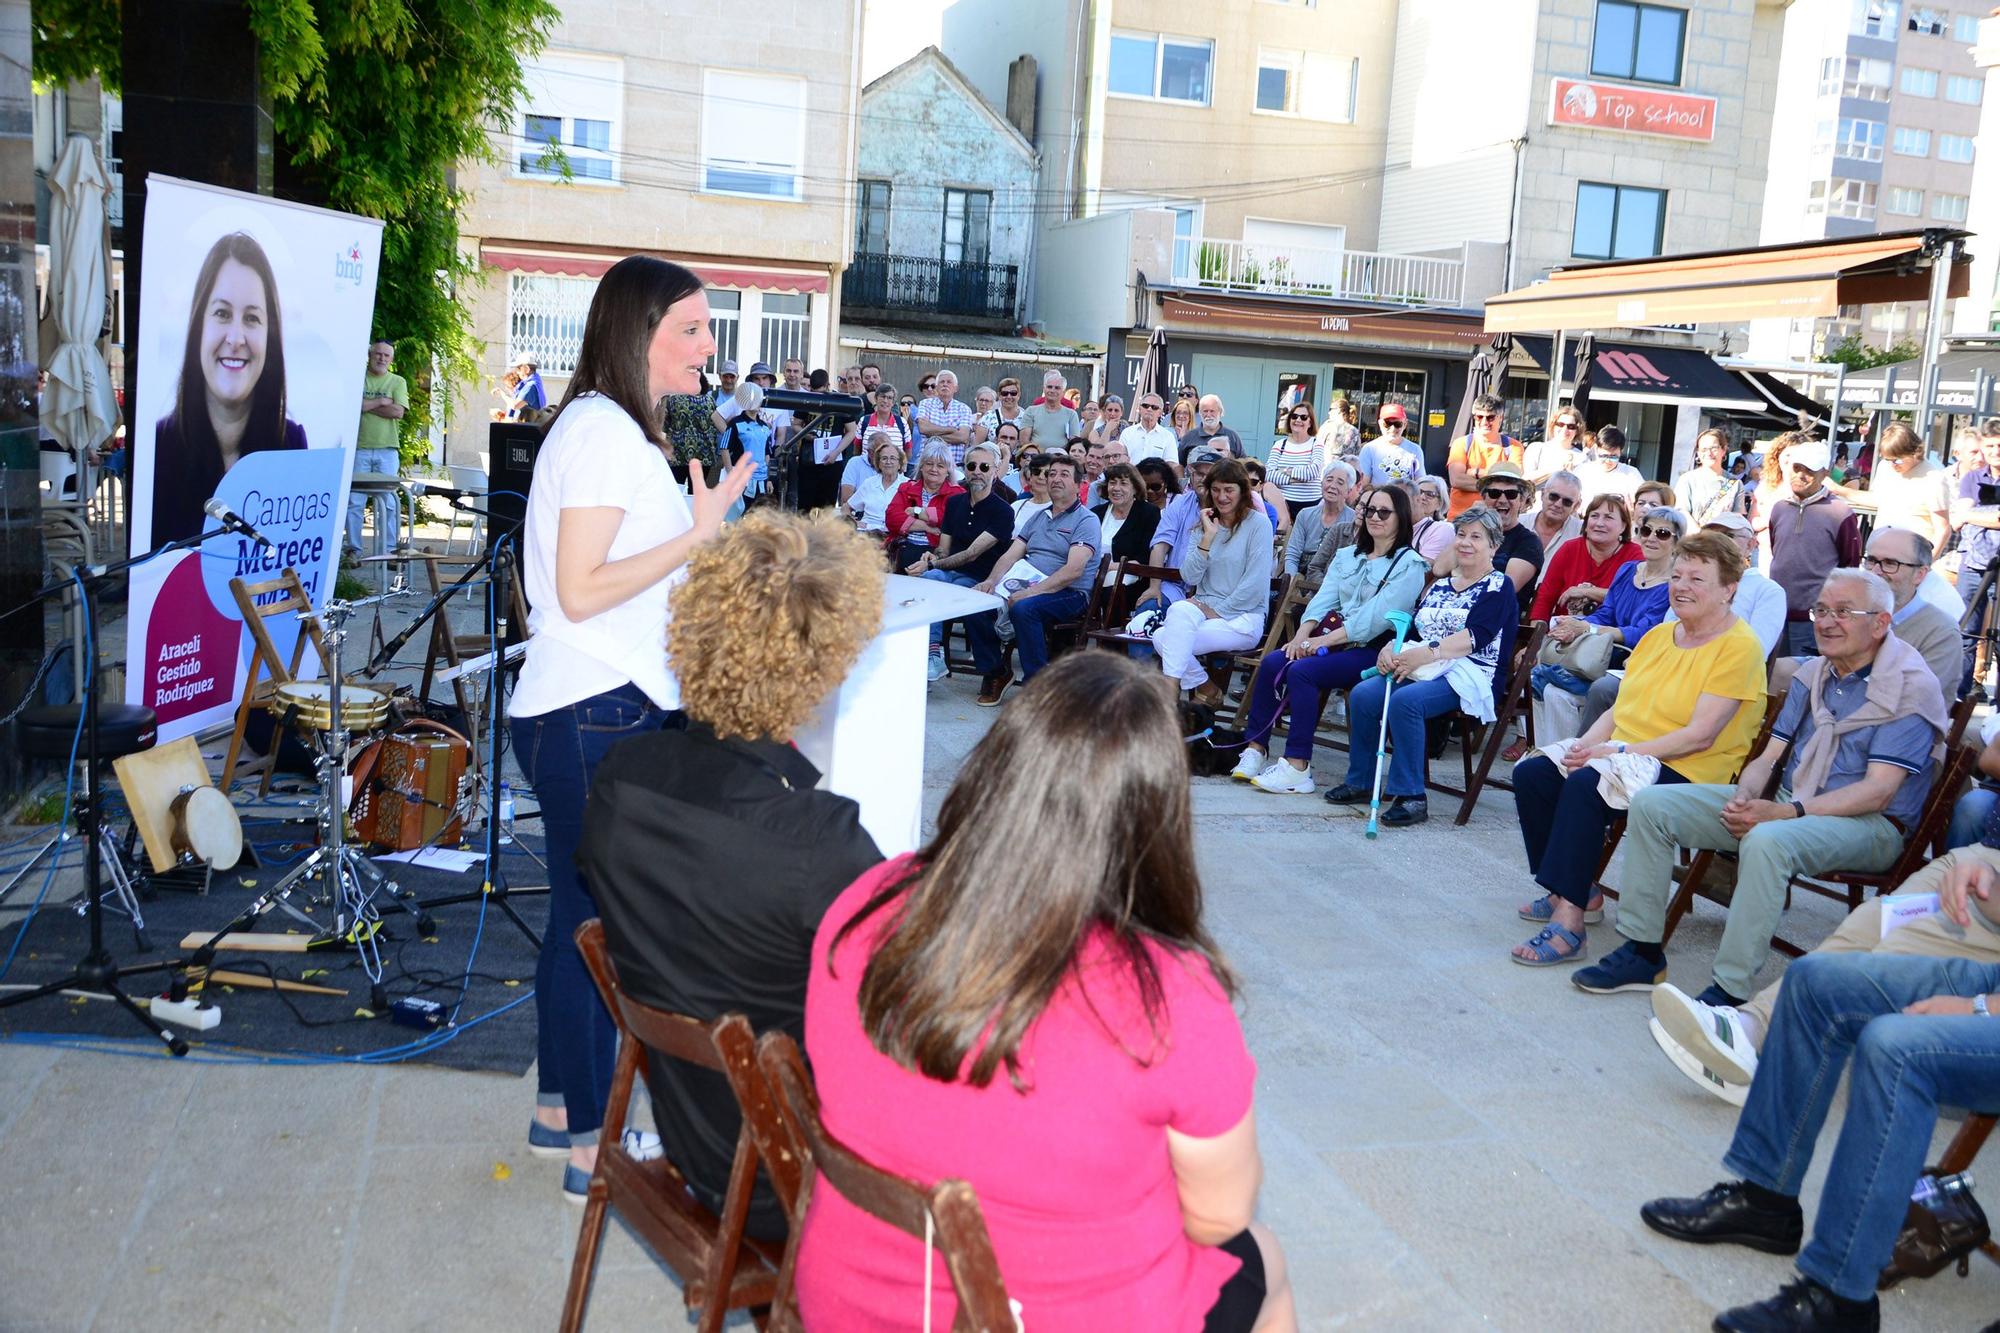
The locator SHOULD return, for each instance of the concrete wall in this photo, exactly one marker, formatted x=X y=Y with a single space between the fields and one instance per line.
x=1709 y=186
x=1449 y=176
x=923 y=136
x=1082 y=278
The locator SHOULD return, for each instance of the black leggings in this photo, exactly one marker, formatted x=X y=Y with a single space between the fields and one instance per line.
x=1241 y=1299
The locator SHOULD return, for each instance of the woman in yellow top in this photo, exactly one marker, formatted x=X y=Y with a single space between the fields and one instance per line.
x=1691 y=700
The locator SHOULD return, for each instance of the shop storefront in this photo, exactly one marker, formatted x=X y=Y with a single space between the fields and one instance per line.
x=1261 y=355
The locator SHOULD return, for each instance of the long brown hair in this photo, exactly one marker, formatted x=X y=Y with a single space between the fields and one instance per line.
x=1248 y=499
x=1035 y=849
x=631 y=299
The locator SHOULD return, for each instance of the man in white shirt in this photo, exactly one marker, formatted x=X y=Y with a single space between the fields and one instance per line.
x=1391 y=457
x=1607 y=472
x=1149 y=437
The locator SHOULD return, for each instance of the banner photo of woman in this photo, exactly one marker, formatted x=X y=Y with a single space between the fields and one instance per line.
x=250 y=362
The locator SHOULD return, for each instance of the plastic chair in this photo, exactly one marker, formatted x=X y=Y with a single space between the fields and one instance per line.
x=473 y=481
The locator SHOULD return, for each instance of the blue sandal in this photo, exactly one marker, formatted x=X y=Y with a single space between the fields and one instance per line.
x=1545 y=953
x=1542 y=911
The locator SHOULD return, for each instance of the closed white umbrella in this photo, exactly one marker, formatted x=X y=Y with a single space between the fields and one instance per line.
x=78 y=405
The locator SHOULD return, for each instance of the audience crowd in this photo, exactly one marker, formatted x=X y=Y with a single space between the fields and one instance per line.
x=1724 y=667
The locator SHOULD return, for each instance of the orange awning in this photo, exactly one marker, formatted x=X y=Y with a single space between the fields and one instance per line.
x=1727 y=286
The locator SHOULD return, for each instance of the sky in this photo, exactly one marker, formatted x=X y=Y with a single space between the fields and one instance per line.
x=895 y=30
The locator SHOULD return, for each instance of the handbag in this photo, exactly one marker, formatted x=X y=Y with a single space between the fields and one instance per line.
x=1945 y=1225
x=1586 y=657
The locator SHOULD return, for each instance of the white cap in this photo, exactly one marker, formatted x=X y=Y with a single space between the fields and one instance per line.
x=1810 y=454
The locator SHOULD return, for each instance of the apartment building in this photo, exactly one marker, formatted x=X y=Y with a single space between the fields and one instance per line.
x=1877 y=134
x=721 y=141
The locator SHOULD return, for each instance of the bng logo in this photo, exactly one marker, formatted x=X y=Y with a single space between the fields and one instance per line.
x=348 y=266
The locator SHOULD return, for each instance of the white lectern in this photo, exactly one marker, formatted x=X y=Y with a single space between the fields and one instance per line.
x=868 y=737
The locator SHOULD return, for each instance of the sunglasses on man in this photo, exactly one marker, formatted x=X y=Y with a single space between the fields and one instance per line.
x=1393 y=424
x=980 y=467
x=1502 y=493
x=1485 y=416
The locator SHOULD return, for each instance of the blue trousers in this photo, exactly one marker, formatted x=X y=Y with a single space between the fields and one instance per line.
x=1306 y=683
x=1410 y=706
x=1563 y=823
x=1969 y=816
x=951 y=576
x=1032 y=617
x=576 y=1041
x=1834 y=1006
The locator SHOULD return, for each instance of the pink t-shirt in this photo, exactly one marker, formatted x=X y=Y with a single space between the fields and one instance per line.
x=1073 y=1176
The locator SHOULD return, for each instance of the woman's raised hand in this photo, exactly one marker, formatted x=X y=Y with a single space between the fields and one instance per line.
x=712 y=503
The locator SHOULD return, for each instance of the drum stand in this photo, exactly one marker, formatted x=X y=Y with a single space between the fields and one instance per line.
x=348 y=882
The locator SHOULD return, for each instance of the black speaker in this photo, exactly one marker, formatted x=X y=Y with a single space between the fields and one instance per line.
x=511 y=446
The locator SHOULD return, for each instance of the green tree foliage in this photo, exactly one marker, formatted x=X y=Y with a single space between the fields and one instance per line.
x=376 y=104
x=1858 y=355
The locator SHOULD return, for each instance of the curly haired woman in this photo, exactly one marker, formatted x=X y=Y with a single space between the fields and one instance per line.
x=711 y=853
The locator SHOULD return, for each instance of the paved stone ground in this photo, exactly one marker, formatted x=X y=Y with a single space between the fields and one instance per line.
x=1451 y=1141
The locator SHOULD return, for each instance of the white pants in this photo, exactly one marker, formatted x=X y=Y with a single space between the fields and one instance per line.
x=1186 y=634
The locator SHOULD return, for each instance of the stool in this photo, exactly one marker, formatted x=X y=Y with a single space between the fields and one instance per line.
x=51 y=733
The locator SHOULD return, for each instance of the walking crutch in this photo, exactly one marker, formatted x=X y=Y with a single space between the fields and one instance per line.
x=1400 y=622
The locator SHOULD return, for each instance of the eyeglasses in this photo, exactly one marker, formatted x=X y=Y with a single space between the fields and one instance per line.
x=1393 y=425
x=908 y=402
x=1379 y=511
x=1010 y=393
x=927 y=385
x=1552 y=499
x=1154 y=406
x=1841 y=613
x=980 y=467
x=1659 y=534
x=1485 y=416
x=1502 y=493
x=1185 y=393
x=1301 y=416
x=1887 y=566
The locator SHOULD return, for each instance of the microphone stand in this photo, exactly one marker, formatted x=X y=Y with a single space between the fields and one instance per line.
x=98 y=971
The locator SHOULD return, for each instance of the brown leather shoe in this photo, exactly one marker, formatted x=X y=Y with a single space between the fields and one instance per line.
x=992 y=687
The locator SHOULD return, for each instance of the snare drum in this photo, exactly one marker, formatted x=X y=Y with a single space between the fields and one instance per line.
x=205 y=827
x=309 y=703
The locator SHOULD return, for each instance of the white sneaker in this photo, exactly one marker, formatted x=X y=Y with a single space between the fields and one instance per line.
x=642 y=1145
x=1712 y=1034
x=1685 y=1061
x=1284 y=780
x=937 y=667
x=1248 y=765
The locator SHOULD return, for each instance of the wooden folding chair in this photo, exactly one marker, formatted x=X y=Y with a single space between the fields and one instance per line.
x=719 y=1267
x=1961 y=718
x=1067 y=634
x=1284 y=624
x=1112 y=633
x=1958 y=1155
x=259 y=602
x=948 y=1211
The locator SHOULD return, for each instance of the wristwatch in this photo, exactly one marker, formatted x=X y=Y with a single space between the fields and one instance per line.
x=1979 y=1005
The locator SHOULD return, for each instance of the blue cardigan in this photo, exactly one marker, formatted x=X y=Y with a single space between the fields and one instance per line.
x=1632 y=609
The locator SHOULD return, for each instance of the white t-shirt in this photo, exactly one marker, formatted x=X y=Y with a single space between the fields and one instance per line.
x=1159 y=442
x=1623 y=479
x=1025 y=509
x=871 y=501
x=597 y=457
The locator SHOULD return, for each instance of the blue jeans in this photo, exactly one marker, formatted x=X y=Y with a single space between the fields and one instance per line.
x=1905 y=1065
x=576 y=1041
x=1969 y=816
x=951 y=576
x=1306 y=683
x=1032 y=617
x=1410 y=706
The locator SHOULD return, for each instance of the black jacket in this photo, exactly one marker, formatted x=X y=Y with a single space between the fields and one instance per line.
x=712 y=862
x=1134 y=540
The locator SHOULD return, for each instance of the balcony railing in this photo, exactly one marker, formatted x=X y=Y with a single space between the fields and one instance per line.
x=918 y=285
x=1348 y=275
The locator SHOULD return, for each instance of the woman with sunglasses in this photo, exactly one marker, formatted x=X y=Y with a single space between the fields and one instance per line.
x=1341 y=631
x=1295 y=462
x=1635 y=602
x=1557 y=450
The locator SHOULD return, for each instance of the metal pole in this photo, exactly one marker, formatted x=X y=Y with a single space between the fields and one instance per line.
x=1556 y=371
x=1927 y=378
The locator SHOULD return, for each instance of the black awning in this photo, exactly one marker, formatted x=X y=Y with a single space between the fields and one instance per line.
x=1643 y=373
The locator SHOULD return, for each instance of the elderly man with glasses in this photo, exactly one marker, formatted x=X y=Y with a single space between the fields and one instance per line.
x=1149 y=437
x=1558 y=513
x=978 y=525
x=1391 y=456
x=1853 y=749
x=1519 y=555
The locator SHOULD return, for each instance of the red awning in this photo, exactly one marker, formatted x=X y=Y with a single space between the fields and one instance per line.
x=585 y=264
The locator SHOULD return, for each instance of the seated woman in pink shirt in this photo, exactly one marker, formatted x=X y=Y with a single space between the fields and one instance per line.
x=1047 y=1018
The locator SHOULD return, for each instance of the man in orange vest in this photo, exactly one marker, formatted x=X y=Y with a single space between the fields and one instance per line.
x=1473 y=455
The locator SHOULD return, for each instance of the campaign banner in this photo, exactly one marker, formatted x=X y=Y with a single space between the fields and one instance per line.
x=250 y=363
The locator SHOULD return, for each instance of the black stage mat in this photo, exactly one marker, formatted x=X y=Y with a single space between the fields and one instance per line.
x=310 y=1026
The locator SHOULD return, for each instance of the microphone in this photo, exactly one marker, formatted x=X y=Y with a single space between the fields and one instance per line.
x=232 y=521
x=839 y=406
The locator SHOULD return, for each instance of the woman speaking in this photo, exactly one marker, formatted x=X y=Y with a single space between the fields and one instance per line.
x=608 y=533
